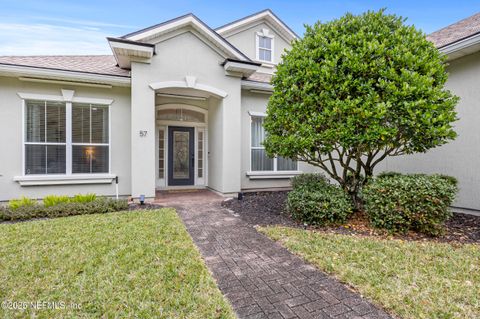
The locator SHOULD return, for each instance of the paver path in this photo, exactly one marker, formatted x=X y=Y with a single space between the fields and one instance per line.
x=260 y=277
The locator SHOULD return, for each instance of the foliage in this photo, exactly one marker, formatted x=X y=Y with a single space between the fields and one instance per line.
x=388 y=174
x=411 y=280
x=309 y=180
x=355 y=90
x=84 y=198
x=22 y=202
x=417 y=202
x=315 y=201
x=137 y=264
x=61 y=209
x=52 y=200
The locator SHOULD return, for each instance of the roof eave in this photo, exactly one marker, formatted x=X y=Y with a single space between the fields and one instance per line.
x=58 y=74
x=147 y=34
x=126 y=51
x=461 y=47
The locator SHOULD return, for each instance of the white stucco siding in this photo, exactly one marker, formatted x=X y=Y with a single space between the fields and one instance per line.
x=12 y=145
x=186 y=54
x=215 y=145
x=256 y=102
x=459 y=158
x=245 y=41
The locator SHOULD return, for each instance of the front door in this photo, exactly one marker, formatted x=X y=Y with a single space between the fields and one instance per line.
x=181 y=158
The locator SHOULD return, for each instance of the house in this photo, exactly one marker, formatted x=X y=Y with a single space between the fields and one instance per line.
x=460 y=158
x=180 y=105
x=177 y=105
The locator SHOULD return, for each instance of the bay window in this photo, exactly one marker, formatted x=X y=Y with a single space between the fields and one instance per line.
x=55 y=144
x=259 y=159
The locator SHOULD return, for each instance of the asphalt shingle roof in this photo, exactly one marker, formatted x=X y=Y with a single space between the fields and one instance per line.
x=457 y=31
x=97 y=64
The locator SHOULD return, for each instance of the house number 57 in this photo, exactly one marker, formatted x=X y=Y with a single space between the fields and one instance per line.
x=143 y=133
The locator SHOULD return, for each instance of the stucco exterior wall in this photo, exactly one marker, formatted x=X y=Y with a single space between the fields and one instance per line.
x=257 y=102
x=186 y=54
x=245 y=41
x=460 y=157
x=11 y=139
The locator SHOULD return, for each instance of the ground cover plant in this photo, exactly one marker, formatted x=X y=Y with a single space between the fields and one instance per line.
x=412 y=279
x=137 y=264
x=60 y=206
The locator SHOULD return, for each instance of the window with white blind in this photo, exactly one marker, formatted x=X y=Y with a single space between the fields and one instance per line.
x=50 y=140
x=45 y=137
x=259 y=159
x=90 y=145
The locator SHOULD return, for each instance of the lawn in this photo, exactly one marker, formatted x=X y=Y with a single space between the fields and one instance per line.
x=410 y=279
x=140 y=264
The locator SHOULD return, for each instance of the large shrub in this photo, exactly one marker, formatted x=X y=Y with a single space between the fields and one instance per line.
x=315 y=201
x=417 y=202
x=61 y=209
x=356 y=90
x=310 y=181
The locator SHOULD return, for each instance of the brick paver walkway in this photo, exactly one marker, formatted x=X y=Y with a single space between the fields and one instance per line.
x=260 y=278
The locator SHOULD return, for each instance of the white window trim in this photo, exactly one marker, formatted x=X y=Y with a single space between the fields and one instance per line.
x=264 y=33
x=274 y=174
x=67 y=178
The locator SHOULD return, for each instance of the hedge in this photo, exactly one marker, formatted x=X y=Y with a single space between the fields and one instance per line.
x=315 y=201
x=62 y=209
x=418 y=202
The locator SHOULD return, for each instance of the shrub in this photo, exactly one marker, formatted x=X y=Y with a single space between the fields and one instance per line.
x=452 y=180
x=52 y=200
x=388 y=174
x=315 y=201
x=417 y=202
x=97 y=206
x=84 y=198
x=22 y=202
x=309 y=181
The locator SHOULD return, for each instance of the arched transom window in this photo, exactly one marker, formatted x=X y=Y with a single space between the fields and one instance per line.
x=180 y=114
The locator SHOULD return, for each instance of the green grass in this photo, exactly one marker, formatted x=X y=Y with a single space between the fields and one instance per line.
x=410 y=279
x=140 y=264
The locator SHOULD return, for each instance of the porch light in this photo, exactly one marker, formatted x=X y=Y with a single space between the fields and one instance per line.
x=142 y=199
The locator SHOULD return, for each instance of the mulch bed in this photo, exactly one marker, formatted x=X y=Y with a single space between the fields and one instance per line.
x=268 y=208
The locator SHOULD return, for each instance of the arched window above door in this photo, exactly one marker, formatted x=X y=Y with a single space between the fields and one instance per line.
x=180 y=114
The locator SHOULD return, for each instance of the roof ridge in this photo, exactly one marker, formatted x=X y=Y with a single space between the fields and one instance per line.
x=157 y=25
x=243 y=18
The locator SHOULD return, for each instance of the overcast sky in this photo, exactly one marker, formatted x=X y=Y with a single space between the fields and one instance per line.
x=32 y=27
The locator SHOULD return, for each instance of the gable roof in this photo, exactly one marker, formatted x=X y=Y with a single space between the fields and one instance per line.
x=146 y=34
x=94 y=64
x=266 y=15
x=457 y=31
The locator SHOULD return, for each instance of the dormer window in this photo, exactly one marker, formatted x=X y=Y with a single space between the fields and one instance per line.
x=265 y=46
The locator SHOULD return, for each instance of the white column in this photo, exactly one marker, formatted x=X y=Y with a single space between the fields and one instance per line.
x=142 y=138
x=232 y=141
